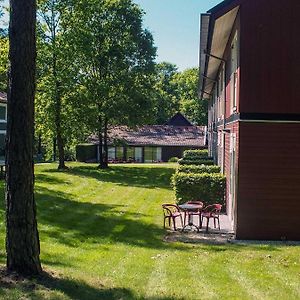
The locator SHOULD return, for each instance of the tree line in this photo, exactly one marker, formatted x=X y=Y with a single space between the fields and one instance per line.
x=95 y=69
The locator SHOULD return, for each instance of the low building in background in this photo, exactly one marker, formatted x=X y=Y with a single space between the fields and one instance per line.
x=149 y=143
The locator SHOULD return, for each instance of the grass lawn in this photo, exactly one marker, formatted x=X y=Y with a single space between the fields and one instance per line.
x=102 y=238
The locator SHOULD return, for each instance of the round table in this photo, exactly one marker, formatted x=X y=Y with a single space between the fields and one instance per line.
x=191 y=207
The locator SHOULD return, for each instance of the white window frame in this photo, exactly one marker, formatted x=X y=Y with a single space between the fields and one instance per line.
x=233 y=76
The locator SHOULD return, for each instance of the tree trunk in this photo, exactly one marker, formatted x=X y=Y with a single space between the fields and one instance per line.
x=22 y=239
x=100 y=138
x=105 y=162
x=54 y=149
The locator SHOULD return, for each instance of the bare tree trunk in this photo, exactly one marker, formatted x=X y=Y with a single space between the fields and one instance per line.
x=105 y=163
x=60 y=142
x=22 y=239
x=100 y=138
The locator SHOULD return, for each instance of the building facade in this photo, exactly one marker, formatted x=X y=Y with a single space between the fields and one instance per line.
x=250 y=72
x=150 y=143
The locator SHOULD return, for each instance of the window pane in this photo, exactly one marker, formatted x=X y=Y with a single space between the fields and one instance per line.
x=111 y=153
x=158 y=154
x=2 y=146
x=148 y=154
x=138 y=154
x=2 y=112
x=120 y=152
x=130 y=153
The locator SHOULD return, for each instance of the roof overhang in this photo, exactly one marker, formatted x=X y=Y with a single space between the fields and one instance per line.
x=214 y=36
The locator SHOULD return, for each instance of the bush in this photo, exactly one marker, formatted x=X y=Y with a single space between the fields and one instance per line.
x=173 y=159
x=195 y=154
x=86 y=152
x=184 y=161
x=198 y=169
x=210 y=188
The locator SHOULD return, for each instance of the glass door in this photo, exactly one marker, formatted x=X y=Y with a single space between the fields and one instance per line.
x=138 y=154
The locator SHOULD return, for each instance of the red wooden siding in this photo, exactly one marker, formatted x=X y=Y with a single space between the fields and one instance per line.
x=269 y=181
x=270 y=56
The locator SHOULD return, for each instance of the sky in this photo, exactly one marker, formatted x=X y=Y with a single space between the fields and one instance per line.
x=175 y=28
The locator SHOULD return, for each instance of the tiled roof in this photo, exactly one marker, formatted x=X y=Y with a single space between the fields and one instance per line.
x=157 y=135
x=3 y=97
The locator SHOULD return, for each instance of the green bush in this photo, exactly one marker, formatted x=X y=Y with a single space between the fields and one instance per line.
x=195 y=154
x=184 y=161
x=210 y=188
x=198 y=169
x=173 y=159
x=86 y=152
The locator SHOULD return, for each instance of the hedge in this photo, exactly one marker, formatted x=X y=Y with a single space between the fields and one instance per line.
x=195 y=154
x=184 y=161
x=210 y=188
x=86 y=152
x=198 y=169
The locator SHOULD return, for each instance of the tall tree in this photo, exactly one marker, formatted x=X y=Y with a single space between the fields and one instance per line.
x=22 y=239
x=186 y=83
x=166 y=98
x=116 y=56
x=53 y=67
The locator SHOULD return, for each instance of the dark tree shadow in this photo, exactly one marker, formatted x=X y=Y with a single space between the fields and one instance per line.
x=72 y=222
x=74 y=289
x=148 y=177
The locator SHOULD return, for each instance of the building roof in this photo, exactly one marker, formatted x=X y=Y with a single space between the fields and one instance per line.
x=3 y=97
x=156 y=135
x=216 y=27
x=179 y=120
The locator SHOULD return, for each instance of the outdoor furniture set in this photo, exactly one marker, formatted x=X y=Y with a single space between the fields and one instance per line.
x=189 y=210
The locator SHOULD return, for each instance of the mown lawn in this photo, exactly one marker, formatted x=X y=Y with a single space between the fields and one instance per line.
x=102 y=238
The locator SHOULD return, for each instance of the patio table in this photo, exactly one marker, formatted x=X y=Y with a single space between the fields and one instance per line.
x=189 y=207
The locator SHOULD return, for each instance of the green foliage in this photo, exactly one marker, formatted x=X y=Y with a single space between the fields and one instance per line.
x=210 y=188
x=3 y=63
x=184 y=161
x=178 y=91
x=173 y=159
x=198 y=169
x=195 y=154
x=86 y=152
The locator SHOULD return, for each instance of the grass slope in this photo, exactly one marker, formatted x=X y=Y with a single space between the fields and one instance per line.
x=101 y=238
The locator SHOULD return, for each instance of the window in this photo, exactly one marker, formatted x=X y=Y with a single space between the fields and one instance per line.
x=138 y=154
x=2 y=146
x=2 y=112
x=130 y=153
x=111 y=153
x=153 y=154
x=119 y=153
x=233 y=73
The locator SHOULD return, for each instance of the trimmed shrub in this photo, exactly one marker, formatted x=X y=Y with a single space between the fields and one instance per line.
x=195 y=154
x=198 y=169
x=210 y=188
x=86 y=152
x=184 y=161
x=173 y=159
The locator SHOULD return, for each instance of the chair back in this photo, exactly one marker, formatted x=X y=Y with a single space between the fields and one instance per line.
x=170 y=209
x=197 y=202
x=213 y=209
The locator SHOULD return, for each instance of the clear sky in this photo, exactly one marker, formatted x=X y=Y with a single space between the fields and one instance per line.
x=175 y=27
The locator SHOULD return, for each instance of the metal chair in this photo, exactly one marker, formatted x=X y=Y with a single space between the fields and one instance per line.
x=171 y=212
x=211 y=212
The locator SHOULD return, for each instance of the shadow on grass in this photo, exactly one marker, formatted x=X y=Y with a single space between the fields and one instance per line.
x=48 y=286
x=83 y=223
x=148 y=177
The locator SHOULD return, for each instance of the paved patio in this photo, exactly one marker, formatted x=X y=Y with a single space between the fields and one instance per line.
x=214 y=235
